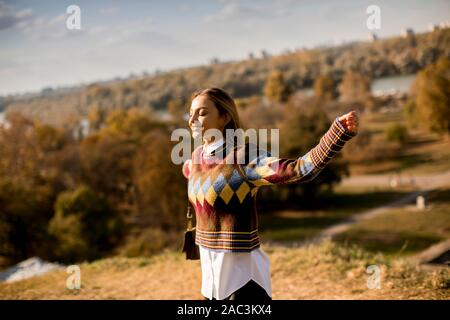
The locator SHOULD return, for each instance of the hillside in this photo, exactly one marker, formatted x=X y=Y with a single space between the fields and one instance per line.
x=381 y=58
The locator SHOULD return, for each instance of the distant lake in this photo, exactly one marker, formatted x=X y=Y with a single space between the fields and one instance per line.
x=399 y=84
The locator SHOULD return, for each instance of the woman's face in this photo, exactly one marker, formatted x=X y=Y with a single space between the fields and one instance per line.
x=204 y=115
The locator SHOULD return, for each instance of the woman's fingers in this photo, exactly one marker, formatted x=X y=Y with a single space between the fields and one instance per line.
x=350 y=121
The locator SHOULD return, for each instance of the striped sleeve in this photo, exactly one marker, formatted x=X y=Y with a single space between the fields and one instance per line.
x=263 y=169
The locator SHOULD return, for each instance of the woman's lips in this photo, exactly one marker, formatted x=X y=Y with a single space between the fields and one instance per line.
x=196 y=131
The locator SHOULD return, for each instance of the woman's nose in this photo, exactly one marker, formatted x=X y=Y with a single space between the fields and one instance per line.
x=192 y=120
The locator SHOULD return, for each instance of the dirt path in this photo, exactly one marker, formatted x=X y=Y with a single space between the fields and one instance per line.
x=385 y=180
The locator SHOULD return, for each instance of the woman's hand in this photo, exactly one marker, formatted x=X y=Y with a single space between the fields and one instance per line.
x=350 y=121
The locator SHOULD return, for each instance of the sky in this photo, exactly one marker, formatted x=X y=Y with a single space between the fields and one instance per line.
x=117 y=38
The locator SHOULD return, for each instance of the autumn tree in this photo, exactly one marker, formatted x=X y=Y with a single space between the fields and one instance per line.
x=276 y=88
x=36 y=163
x=355 y=86
x=176 y=109
x=159 y=184
x=432 y=96
x=325 y=89
x=96 y=117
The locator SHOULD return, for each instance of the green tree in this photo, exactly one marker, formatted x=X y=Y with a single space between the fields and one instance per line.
x=84 y=225
x=24 y=214
x=396 y=133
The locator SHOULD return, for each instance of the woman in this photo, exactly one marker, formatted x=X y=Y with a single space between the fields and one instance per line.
x=223 y=194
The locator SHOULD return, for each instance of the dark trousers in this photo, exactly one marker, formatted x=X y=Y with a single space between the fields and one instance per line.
x=251 y=291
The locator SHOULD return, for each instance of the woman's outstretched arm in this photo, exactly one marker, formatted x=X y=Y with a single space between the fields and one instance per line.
x=267 y=170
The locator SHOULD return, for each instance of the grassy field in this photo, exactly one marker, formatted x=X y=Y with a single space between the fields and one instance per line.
x=322 y=271
x=289 y=225
x=422 y=153
x=406 y=230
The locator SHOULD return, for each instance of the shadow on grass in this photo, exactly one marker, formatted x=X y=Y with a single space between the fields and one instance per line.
x=293 y=229
x=402 y=162
x=354 y=203
x=331 y=208
x=391 y=243
x=440 y=196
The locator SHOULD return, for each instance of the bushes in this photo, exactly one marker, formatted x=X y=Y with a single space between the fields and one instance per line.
x=23 y=218
x=396 y=133
x=84 y=225
x=152 y=241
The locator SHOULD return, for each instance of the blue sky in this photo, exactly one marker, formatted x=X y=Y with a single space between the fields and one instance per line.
x=121 y=37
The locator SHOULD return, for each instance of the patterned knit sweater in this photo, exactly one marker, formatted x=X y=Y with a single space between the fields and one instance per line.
x=223 y=193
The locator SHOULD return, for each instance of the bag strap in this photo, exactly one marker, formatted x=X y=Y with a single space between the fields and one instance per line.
x=189 y=216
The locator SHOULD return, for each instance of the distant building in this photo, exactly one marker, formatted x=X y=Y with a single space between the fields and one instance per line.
x=264 y=54
x=407 y=32
x=81 y=130
x=46 y=91
x=3 y=122
x=445 y=25
x=433 y=27
x=373 y=37
x=214 y=60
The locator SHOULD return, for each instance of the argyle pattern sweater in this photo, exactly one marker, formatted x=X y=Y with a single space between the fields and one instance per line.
x=223 y=192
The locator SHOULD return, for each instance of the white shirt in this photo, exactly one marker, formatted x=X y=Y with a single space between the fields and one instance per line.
x=225 y=272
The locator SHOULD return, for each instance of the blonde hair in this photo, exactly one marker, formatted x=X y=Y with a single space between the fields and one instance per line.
x=224 y=103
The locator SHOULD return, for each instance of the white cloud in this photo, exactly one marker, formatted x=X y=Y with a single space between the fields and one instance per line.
x=10 y=17
x=184 y=7
x=111 y=11
x=43 y=28
x=132 y=31
x=232 y=11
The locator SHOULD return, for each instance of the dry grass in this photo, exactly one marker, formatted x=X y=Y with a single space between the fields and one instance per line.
x=325 y=271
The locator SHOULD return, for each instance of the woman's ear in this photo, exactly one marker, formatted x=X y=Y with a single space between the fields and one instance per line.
x=227 y=119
